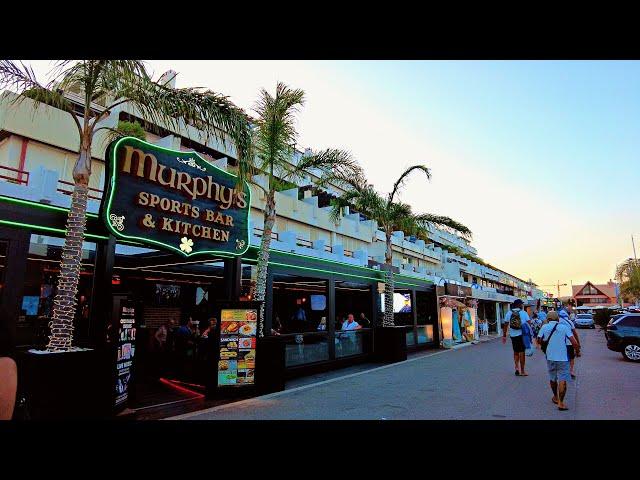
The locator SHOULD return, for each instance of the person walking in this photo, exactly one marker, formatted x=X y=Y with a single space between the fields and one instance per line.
x=564 y=318
x=551 y=339
x=513 y=321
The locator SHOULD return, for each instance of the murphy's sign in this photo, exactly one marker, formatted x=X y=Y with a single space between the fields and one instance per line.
x=174 y=200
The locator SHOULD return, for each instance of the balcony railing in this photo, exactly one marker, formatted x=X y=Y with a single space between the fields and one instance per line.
x=14 y=175
x=69 y=192
x=303 y=242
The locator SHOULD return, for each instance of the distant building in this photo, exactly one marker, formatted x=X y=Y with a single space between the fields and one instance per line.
x=596 y=295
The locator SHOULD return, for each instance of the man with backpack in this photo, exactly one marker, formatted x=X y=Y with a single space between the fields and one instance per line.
x=551 y=339
x=513 y=321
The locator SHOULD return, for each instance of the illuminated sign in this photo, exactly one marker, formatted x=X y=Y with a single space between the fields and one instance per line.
x=174 y=200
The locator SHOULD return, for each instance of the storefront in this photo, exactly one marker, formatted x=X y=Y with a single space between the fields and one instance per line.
x=458 y=314
x=145 y=258
x=492 y=308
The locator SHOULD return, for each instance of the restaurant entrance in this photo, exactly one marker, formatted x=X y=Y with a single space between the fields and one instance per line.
x=174 y=302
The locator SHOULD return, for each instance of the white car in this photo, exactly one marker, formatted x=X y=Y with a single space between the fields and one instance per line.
x=584 y=320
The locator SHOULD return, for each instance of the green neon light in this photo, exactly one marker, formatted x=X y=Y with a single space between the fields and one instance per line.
x=48 y=229
x=322 y=270
x=112 y=188
x=338 y=273
x=225 y=254
x=43 y=206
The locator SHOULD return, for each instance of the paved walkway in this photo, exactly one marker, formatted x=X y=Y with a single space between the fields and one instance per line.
x=475 y=382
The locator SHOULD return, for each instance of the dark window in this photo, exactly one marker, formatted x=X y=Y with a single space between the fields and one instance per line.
x=630 y=321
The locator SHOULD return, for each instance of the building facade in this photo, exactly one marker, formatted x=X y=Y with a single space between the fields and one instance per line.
x=328 y=270
x=597 y=295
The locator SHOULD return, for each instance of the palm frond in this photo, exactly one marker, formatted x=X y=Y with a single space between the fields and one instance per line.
x=336 y=166
x=444 y=222
x=23 y=80
x=402 y=179
x=276 y=132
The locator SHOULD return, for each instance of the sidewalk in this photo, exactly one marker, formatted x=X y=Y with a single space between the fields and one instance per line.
x=482 y=339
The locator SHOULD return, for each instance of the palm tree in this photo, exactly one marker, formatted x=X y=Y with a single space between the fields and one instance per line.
x=273 y=139
x=392 y=215
x=111 y=83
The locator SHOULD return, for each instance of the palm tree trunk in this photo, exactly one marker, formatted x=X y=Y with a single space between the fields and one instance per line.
x=260 y=287
x=388 y=320
x=64 y=303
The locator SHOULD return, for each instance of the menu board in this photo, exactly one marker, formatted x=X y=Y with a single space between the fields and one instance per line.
x=237 y=360
x=125 y=352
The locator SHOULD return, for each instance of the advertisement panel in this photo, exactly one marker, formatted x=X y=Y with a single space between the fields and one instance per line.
x=174 y=200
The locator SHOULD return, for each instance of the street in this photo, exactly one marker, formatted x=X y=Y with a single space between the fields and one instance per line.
x=475 y=382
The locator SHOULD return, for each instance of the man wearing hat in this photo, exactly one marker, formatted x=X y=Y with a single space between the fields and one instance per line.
x=514 y=329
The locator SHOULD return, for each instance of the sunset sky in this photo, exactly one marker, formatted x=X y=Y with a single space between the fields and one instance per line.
x=538 y=158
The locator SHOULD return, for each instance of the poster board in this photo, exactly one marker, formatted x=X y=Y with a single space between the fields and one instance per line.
x=125 y=352
x=237 y=346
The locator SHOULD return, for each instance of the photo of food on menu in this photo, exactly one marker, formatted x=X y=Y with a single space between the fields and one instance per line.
x=237 y=347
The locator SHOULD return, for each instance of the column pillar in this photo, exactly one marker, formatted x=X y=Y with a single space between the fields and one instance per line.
x=101 y=306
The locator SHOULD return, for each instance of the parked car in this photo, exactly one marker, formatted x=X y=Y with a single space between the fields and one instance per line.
x=623 y=335
x=584 y=320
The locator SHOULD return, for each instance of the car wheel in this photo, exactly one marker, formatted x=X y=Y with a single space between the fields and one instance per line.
x=632 y=352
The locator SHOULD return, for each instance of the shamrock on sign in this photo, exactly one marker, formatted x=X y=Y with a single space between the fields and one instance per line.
x=186 y=245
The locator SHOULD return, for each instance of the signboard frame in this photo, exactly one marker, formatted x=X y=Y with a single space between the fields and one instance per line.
x=189 y=159
x=120 y=401
x=213 y=388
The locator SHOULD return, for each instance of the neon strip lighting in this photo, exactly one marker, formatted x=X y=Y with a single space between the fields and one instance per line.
x=171 y=264
x=169 y=383
x=396 y=275
x=222 y=254
x=43 y=206
x=143 y=270
x=47 y=229
x=196 y=156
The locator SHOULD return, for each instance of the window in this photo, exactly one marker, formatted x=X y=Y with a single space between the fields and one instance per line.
x=630 y=321
x=589 y=290
x=301 y=317
x=40 y=287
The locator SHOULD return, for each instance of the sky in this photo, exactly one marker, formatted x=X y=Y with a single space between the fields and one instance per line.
x=537 y=158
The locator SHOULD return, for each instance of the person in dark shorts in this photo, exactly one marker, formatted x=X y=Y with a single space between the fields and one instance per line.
x=517 y=343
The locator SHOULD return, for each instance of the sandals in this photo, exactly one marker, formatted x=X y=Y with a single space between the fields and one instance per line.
x=562 y=408
x=524 y=374
x=554 y=400
x=517 y=373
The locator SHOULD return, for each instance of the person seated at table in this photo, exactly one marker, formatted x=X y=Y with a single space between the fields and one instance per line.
x=323 y=324
x=350 y=323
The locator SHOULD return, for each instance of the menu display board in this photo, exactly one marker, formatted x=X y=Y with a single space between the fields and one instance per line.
x=125 y=351
x=237 y=360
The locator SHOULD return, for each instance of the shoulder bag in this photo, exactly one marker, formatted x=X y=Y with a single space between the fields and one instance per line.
x=545 y=343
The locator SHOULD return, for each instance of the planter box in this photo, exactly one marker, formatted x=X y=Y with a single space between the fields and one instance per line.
x=390 y=344
x=67 y=385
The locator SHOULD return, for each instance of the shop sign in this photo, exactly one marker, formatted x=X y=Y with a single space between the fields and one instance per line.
x=125 y=351
x=457 y=290
x=174 y=200
x=237 y=360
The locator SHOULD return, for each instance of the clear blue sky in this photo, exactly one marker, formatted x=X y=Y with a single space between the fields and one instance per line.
x=551 y=144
